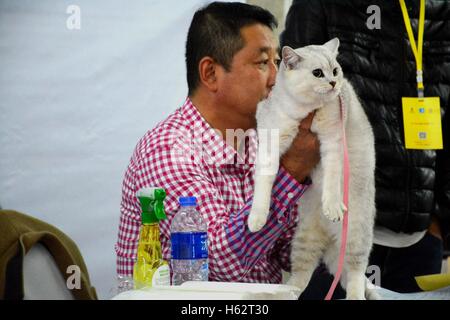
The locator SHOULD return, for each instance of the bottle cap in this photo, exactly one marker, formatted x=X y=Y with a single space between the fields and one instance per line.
x=187 y=201
x=152 y=205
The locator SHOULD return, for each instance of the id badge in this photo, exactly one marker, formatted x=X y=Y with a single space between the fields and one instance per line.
x=422 y=123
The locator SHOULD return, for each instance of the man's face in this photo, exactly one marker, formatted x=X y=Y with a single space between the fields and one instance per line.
x=253 y=72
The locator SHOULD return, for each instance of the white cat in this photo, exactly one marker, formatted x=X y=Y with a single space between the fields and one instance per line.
x=310 y=79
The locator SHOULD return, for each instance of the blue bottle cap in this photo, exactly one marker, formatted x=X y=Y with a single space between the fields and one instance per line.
x=187 y=201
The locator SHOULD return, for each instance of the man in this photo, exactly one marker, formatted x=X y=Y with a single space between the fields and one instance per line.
x=412 y=186
x=231 y=59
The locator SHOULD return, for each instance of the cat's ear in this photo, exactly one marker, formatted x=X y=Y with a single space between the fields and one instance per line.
x=333 y=45
x=290 y=58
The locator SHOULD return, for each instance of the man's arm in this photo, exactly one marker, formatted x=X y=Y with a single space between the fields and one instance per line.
x=233 y=249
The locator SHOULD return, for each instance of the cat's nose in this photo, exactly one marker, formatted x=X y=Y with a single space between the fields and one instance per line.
x=333 y=83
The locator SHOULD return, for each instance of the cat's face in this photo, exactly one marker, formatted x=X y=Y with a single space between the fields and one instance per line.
x=312 y=73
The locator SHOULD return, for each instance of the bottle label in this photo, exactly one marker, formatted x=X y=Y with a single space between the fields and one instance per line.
x=189 y=245
x=161 y=277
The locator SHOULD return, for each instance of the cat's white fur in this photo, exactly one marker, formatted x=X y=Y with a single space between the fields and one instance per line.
x=297 y=93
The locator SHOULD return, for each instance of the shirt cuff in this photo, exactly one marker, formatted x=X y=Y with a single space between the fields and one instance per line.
x=286 y=190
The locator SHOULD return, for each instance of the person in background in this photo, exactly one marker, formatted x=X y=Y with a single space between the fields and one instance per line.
x=412 y=186
x=231 y=60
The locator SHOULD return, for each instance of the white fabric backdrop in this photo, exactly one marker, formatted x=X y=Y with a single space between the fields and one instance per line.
x=73 y=104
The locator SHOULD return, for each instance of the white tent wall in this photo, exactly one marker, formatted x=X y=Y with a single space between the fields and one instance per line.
x=73 y=104
x=279 y=9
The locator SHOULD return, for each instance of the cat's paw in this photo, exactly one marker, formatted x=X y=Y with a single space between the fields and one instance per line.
x=334 y=211
x=256 y=220
x=371 y=294
x=358 y=296
x=298 y=281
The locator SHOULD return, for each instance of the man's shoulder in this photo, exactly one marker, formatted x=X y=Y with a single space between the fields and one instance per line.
x=164 y=135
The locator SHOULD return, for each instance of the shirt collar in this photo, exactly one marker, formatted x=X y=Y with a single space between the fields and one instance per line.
x=214 y=149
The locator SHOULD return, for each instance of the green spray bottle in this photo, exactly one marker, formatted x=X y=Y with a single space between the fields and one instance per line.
x=150 y=269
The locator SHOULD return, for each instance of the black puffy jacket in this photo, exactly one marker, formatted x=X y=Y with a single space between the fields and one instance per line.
x=411 y=185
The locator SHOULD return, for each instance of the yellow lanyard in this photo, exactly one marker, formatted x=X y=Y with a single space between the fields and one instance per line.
x=417 y=49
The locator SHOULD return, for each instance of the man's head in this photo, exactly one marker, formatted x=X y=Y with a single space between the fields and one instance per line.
x=231 y=52
x=215 y=31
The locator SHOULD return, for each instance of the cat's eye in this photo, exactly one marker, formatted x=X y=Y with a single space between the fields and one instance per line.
x=335 y=72
x=317 y=73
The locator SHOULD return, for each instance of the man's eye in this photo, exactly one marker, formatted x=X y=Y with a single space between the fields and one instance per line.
x=317 y=73
x=335 y=72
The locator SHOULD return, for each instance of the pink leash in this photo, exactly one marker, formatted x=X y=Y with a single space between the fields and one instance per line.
x=345 y=221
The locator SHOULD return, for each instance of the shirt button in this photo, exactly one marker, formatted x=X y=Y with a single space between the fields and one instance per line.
x=290 y=195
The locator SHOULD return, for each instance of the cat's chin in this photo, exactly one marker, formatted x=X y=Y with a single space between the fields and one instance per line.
x=334 y=93
x=329 y=95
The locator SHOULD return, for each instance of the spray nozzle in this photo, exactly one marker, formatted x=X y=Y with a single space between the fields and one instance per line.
x=152 y=204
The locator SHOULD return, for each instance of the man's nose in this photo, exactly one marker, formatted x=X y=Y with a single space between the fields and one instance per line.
x=272 y=76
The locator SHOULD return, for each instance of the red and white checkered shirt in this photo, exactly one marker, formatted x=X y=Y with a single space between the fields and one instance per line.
x=186 y=157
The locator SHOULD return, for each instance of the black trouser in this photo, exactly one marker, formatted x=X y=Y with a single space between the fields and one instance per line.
x=398 y=268
x=320 y=284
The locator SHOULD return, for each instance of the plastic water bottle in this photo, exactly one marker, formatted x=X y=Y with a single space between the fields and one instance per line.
x=189 y=238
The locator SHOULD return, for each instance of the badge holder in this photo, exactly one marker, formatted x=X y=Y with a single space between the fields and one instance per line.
x=421 y=115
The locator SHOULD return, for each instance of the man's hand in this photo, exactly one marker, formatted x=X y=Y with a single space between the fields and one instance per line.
x=434 y=228
x=304 y=154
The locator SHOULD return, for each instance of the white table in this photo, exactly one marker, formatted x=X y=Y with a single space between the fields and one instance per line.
x=198 y=290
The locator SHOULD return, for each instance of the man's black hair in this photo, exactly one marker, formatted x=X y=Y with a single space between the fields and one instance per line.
x=215 y=32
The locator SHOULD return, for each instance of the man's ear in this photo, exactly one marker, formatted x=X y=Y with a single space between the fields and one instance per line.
x=207 y=69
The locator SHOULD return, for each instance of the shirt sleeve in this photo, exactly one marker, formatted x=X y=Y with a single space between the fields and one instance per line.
x=245 y=247
x=129 y=223
x=281 y=251
x=233 y=250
